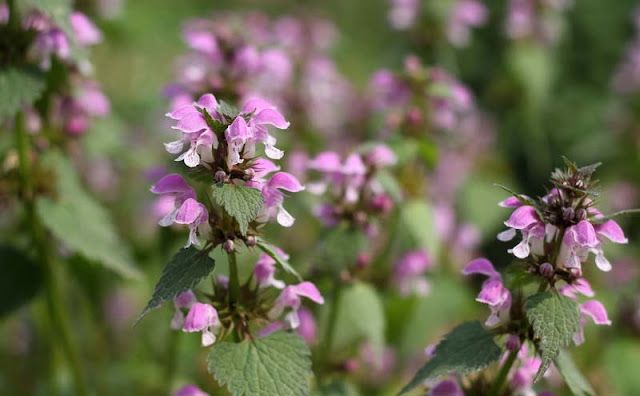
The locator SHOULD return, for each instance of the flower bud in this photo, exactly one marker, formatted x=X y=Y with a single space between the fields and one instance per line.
x=513 y=342
x=251 y=241
x=382 y=203
x=567 y=214
x=220 y=176
x=248 y=174
x=581 y=214
x=363 y=261
x=229 y=246
x=546 y=270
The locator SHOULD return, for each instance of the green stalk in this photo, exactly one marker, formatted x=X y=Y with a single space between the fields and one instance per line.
x=234 y=282
x=52 y=274
x=504 y=372
x=333 y=316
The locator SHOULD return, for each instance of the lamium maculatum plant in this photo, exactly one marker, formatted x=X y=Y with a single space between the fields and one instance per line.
x=541 y=302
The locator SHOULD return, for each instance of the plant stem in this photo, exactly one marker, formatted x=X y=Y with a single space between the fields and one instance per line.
x=504 y=372
x=234 y=283
x=333 y=316
x=52 y=275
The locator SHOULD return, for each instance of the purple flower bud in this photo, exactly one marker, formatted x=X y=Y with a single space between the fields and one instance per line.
x=382 y=203
x=581 y=214
x=546 y=270
x=567 y=214
x=363 y=260
x=229 y=246
x=251 y=241
x=248 y=174
x=513 y=342
x=220 y=176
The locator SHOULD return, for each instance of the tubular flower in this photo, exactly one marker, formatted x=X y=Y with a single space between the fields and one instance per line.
x=204 y=318
x=291 y=298
x=493 y=292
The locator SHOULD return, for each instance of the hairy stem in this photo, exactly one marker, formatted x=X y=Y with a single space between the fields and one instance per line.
x=53 y=276
x=234 y=283
x=333 y=316
x=504 y=372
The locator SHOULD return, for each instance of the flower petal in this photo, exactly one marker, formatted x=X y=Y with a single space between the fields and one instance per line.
x=172 y=183
x=522 y=217
x=310 y=291
x=481 y=266
x=285 y=181
x=612 y=231
x=596 y=311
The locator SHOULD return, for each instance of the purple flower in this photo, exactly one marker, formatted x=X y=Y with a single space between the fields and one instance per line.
x=522 y=378
x=403 y=13
x=291 y=298
x=447 y=387
x=591 y=309
x=204 y=318
x=407 y=273
x=195 y=131
x=184 y=300
x=264 y=114
x=264 y=271
x=493 y=292
x=84 y=31
x=190 y=390
x=273 y=197
x=186 y=210
x=307 y=328
x=381 y=155
x=465 y=15
x=526 y=220
x=237 y=135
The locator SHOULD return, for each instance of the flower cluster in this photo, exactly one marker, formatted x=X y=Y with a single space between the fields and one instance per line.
x=284 y=61
x=538 y=20
x=46 y=43
x=219 y=144
x=463 y=16
x=356 y=196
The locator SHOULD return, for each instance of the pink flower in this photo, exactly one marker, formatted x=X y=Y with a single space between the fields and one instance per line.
x=186 y=210
x=465 y=15
x=195 y=131
x=264 y=114
x=526 y=220
x=307 y=329
x=204 y=318
x=493 y=292
x=403 y=13
x=184 y=300
x=291 y=298
x=273 y=197
x=408 y=271
x=190 y=390
x=447 y=387
x=264 y=271
x=591 y=309
x=84 y=31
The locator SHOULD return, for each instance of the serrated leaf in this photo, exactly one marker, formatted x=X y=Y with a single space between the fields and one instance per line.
x=227 y=110
x=185 y=270
x=18 y=87
x=555 y=319
x=467 y=348
x=360 y=318
x=278 y=364
x=21 y=279
x=271 y=251
x=576 y=382
x=84 y=226
x=242 y=203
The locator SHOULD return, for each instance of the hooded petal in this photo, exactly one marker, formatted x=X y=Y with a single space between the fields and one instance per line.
x=511 y=202
x=189 y=212
x=182 y=112
x=200 y=317
x=192 y=122
x=310 y=291
x=327 y=161
x=612 y=231
x=584 y=234
x=354 y=165
x=522 y=217
x=492 y=293
x=596 y=311
x=270 y=117
x=481 y=266
x=172 y=183
x=256 y=105
x=285 y=181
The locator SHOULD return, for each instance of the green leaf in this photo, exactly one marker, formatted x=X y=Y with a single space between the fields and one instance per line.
x=21 y=279
x=338 y=388
x=555 y=319
x=467 y=348
x=340 y=247
x=278 y=364
x=273 y=253
x=360 y=317
x=418 y=221
x=389 y=184
x=18 y=87
x=578 y=385
x=81 y=223
x=227 y=110
x=185 y=270
x=242 y=203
